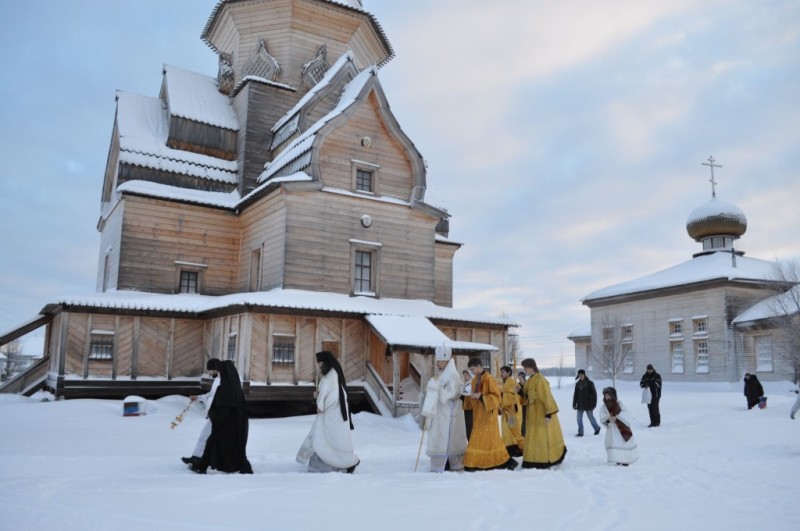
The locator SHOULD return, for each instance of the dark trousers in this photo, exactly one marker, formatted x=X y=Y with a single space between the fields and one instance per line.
x=655 y=414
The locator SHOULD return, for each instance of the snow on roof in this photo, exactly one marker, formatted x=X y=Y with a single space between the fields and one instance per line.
x=196 y=97
x=417 y=331
x=714 y=208
x=584 y=331
x=703 y=268
x=277 y=298
x=304 y=142
x=771 y=307
x=142 y=129
x=164 y=191
x=326 y=79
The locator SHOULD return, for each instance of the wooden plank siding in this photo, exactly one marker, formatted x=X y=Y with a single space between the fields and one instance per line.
x=157 y=233
x=318 y=233
x=133 y=172
x=443 y=274
x=650 y=320
x=343 y=145
x=110 y=244
x=264 y=228
x=205 y=139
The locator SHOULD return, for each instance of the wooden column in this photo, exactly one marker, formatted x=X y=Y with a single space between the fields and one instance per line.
x=296 y=349
x=343 y=348
x=246 y=330
x=269 y=350
x=87 y=346
x=170 y=348
x=62 y=347
x=395 y=384
x=135 y=349
x=114 y=349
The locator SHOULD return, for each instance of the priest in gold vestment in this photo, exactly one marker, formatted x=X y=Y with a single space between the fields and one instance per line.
x=511 y=414
x=485 y=450
x=544 y=441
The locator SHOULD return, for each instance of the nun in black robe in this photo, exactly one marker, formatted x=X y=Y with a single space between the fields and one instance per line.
x=226 y=447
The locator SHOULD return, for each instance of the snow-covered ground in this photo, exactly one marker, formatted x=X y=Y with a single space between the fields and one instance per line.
x=81 y=465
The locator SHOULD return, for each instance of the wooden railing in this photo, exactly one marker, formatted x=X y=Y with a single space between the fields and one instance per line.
x=374 y=380
x=30 y=377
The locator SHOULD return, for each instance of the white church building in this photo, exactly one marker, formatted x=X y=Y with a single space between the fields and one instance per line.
x=705 y=319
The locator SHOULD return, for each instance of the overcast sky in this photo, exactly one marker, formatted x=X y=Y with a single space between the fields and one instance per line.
x=564 y=138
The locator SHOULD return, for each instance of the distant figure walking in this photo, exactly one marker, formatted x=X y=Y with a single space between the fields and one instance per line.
x=466 y=390
x=584 y=400
x=212 y=366
x=620 y=442
x=652 y=380
x=795 y=407
x=753 y=390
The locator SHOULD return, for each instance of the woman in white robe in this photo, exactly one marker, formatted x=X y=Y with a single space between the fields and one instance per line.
x=620 y=443
x=447 y=434
x=330 y=435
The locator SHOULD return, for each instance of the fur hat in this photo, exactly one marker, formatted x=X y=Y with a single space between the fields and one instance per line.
x=443 y=353
x=650 y=366
x=580 y=371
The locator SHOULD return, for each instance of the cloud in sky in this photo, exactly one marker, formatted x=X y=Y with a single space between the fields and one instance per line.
x=565 y=138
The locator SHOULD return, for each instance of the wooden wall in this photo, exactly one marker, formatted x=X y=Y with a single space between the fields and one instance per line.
x=158 y=233
x=264 y=228
x=110 y=242
x=318 y=249
x=341 y=146
x=294 y=29
x=443 y=274
x=205 y=139
x=651 y=330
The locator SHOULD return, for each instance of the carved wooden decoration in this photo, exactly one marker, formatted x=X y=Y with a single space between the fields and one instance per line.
x=316 y=68
x=262 y=64
x=225 y=74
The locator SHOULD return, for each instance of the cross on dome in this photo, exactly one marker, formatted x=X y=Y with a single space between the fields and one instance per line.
x=711 y=165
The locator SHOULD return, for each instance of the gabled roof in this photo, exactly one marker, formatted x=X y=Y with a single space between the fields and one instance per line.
x=196 y=97
x=417 y=332
x=715 y=266
x=779 y=305
x=338 y=66
x=303 y=144
x=286 y=299
x=142 y=127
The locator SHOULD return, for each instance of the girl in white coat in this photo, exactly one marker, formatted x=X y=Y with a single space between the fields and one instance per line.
x=620 y=443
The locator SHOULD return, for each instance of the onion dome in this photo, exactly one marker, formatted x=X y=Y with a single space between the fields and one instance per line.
x=716 y=218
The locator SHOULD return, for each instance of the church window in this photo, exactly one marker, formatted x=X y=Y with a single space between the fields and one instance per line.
x=363 y=181
x=189 y=281
x=364 y=176
x=365 y=268
x=676 y=327
x=700 y=325
x=232 y=347
x=627 y=332
x=763 y=347
x=101 y=345
x=363 y=272
x=676 y=350
x=282 y=349
x=627 y=356
x=701 y=353
x=255 y=270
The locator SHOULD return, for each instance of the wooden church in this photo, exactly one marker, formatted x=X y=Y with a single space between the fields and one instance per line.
x=262 y=215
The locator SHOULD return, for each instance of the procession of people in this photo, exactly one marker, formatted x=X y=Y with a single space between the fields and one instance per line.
x=509 y=417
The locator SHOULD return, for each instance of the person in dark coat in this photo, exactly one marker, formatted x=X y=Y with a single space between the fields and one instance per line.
x=226 y=447
x=652 y=380
x=752 y=390
x=584 y=400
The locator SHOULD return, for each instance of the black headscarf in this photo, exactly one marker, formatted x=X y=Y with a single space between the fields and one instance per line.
x=329 y=362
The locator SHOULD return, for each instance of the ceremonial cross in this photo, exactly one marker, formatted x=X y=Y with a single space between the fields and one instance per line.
x=711 y=164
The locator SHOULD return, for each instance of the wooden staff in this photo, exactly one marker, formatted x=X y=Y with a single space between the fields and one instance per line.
x=174 y=424
x=419 y=452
